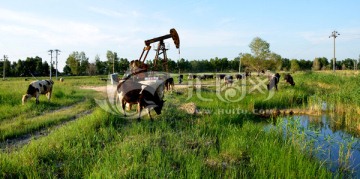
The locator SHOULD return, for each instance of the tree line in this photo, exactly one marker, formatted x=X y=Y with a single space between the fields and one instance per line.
x=260 y=58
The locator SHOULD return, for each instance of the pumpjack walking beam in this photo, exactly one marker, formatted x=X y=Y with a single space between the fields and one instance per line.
x=161 y=47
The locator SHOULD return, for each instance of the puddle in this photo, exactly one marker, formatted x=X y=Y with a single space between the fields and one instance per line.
x=332 y=140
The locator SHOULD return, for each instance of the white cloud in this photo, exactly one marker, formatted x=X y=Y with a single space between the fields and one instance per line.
x=52 y=31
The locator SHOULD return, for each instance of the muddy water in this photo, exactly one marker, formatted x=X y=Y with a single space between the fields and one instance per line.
x=332 y=142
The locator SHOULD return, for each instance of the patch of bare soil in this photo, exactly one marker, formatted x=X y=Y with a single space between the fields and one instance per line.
x=102 y=89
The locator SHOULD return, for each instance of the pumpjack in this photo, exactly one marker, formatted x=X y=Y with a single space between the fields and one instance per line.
x=139 y=65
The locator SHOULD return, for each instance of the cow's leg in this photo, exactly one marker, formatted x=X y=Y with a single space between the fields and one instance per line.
x=139 y=108
x=148 y=109
x=123 y=105
x=49 y=94
x=37 y=98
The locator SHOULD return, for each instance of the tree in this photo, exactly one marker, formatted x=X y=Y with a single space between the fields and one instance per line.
x=248 y=60
x=46 y=68
x=19 y=69
x=91 y=69
x=123 y=65
x=273 y=62
x=316 y=64
x=184 y=65
x=100 y=66
x=305 y=64
x=74 y=63
x=78 y=63
x=113 y=62
x=285 y=64
x=262 y=58
x=67 y=70
x=84 y=65
x=348 y=63
x=260 y=48
x=294 y=66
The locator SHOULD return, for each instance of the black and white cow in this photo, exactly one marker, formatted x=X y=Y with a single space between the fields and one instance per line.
x=36 y=88
x=228 y=80
x=273 y=81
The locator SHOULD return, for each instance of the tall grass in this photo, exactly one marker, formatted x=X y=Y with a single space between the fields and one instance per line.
x=103 y=145
x=224 y=143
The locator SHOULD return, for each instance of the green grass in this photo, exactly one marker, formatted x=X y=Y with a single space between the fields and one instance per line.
x=23 y=125
x=223 y=144
x=103 y=145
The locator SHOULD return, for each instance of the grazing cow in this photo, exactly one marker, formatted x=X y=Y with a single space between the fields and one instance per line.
x=289 y=79
x=228 y=80
x=169 y=84
x=38 y=87
x=191 y=77
x=238 y=76
x=220 y=76
x=149 y=100
x=180 y=78
x=144 y=96
x=273 y=81
x=209 y=76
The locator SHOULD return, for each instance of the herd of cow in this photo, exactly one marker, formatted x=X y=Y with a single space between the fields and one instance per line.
x=146 y=96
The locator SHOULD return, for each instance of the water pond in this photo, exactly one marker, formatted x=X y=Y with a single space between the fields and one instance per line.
x=336 y=148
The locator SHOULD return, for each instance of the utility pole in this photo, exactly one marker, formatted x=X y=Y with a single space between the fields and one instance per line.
x=5 y=57
x=358 y=63
x=355 y=64
x=51 y=51
x=334 y=34
x=240 y=63
x=113 y=62
x=56 y=63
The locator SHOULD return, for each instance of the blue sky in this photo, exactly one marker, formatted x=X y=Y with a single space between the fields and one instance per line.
x=207 y=29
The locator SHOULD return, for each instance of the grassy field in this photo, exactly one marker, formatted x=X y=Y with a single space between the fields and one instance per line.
x=226 y=141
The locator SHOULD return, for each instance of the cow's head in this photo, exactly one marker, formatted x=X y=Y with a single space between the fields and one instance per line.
x=277 y=75
x=25 y=98
x=159 y=107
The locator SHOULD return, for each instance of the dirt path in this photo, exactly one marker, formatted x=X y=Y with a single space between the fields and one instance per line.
x=18 y=142
x=102 y=89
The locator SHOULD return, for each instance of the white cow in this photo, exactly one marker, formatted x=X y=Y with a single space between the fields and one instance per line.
x=38 y=87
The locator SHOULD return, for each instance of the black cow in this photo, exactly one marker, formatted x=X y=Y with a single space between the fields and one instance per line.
x=238 y=76
x=289 y=79
x=180 y=78
x=169 y=84
x=149 y=100
x=220 y=76
x=135 y=93
x=209 y=76
x=273 y=81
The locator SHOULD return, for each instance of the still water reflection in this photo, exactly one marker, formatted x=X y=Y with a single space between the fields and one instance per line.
x=339 y=149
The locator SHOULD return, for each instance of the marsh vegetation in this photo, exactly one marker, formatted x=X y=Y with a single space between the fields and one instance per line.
x=228 y=140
